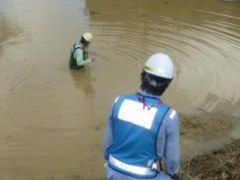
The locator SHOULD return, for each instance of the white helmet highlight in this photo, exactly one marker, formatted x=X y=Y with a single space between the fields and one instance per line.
x=160 y=65
x=88 y=37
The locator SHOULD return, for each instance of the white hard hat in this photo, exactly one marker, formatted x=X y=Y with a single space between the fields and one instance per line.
x=88 y=37
x=160 y=65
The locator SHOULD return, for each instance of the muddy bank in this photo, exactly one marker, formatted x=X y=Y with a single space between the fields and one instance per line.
x=210 y=146
x=203 y=132
x=223 y=164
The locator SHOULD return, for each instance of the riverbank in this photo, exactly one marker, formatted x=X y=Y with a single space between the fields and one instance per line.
x=223 y=164
x=210 y=146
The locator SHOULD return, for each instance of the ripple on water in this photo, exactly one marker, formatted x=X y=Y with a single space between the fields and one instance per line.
x=202 y=48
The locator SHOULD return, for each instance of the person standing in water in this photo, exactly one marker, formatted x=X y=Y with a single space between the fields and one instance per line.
x=142 y=130
x=79 y=53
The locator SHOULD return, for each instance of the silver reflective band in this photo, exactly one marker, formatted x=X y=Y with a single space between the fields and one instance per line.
x=130 y=168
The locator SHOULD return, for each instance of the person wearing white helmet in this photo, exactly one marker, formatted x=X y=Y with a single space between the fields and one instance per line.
x=79 y=54
x=142 y=130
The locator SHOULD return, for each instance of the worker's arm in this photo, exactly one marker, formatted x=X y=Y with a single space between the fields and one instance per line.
x=172 y=147
x=168 y=142
x=108 y=136
x=78 y=55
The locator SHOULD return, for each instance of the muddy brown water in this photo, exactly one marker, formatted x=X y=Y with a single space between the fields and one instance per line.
x=52 y=120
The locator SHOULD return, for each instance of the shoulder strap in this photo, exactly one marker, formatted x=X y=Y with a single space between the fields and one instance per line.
x=74 y=46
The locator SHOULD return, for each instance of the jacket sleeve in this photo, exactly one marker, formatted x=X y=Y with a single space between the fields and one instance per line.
x=79 y=58
x=168 y=146
x=108 y=136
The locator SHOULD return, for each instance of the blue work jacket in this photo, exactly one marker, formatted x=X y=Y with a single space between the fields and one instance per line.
x=159 y=136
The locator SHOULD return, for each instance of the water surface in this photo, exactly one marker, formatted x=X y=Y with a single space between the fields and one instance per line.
x=52 y=119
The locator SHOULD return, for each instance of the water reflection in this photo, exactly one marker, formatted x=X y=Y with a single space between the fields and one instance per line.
x=8 y=30
x=84 y=82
